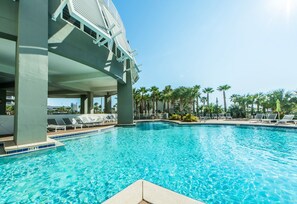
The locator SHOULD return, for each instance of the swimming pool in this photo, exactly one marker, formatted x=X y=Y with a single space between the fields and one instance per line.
x=222 y=164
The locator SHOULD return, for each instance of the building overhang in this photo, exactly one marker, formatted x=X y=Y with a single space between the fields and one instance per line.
x=104 y=24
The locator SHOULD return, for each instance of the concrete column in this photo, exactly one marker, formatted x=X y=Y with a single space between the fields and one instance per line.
x=90 y=102
x=83 y=104
x=2 y=102
x=107 y=103
x=125 y=101
x=31 y=76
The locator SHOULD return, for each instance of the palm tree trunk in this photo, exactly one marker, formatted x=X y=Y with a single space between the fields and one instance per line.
x=225 y=104
x=197 y=106
x=153 y=106
x=208 y=102
x=168 y=106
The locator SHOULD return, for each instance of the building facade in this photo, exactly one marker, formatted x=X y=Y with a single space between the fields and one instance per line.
x=61 y=49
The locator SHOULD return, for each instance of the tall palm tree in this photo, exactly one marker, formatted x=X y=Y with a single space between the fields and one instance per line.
x=142 y=92
x=259 y=100
x=167 y=94
x=136 y=100
x=208 y=91
x=196 y=94
x=224 y=88
x=203 y=100
x=154 y=96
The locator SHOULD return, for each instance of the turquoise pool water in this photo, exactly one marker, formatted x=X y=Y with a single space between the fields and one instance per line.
x=214 y=164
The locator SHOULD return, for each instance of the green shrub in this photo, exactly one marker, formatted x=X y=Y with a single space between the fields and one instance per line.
x=175 y=117
x=190 y=118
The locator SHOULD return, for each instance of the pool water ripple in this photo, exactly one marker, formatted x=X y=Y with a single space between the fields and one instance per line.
x=214 y=164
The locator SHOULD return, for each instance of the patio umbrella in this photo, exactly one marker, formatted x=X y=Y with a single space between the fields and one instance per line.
x=278 y=108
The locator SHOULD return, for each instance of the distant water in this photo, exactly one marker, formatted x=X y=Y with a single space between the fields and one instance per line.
x=214 y=164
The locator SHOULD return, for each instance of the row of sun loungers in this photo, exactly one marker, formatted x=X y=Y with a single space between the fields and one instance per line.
x=272 y=118
x=79 y=122
x=215 y=116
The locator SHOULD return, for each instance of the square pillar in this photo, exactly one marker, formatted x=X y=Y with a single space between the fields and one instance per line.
x=2 y=102
x=107 y=103
x=125 y=101
x=90 y=102
x=31 y=77
x=83 y=104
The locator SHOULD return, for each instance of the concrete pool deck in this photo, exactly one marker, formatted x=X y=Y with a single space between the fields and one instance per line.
x=144 y=192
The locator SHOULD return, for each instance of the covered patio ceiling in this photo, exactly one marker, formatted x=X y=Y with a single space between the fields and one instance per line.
x=67 y=78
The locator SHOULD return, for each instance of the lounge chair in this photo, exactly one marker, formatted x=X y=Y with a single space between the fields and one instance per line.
x=286 y=119
x=228 y=116
x=215 y=116
x=96 y=120
x=84 y=123
x=221 y=116
x=52 y=124
x=110 y=118
x=69 y=123
x=206 y=117
x=258 y=118
x=270 y=118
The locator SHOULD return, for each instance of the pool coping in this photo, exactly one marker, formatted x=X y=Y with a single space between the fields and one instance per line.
x=144 y=191
x=10 y=149
x=221 y=123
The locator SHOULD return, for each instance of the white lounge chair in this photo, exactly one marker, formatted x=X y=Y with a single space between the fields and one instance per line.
x=228 y=116
x=270 y=118
x=69 y=123
x=258 y=118
x=53 y=125
x=84 y=121
x=221 y=116
x=206 y=117
x=286 y=119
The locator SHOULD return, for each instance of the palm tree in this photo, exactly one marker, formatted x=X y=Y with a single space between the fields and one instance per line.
x=136 y=100
x=142 y=92
x=259 y=100
x=208 y=91
x=167 y=94
x=196 y=95
x=203 y=100
x=96 y=107
x=177 y=97
x=224 y=88
x=154 y=96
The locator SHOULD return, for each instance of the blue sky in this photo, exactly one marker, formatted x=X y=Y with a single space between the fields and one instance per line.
x=250 y=45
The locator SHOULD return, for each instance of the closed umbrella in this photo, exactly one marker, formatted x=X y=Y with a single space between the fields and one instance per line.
x=278 y=108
